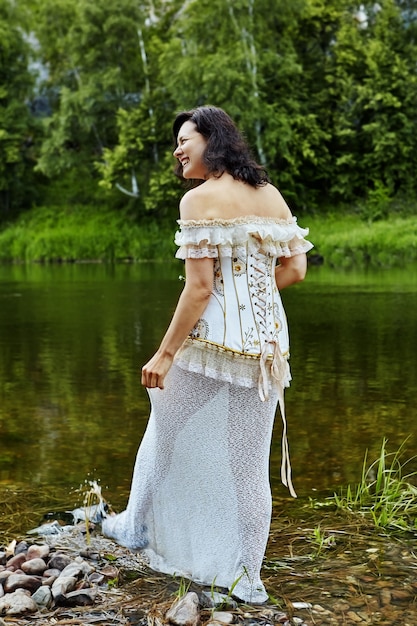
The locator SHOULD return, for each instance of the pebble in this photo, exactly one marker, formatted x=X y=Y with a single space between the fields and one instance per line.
x=34 y=566
x=185 y=611
x=34 y=576
x=17 y=603
x=43 y=596
x=38 y=552
x=21 y=581
x=223 y=617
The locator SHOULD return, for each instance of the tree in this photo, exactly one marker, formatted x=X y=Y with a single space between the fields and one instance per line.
x=16 y=126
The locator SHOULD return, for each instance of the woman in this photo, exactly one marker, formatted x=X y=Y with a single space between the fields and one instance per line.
x=200 y=503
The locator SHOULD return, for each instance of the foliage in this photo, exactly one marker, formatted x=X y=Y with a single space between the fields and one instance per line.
x=16 y=126
x=326 y=93
x=384 y=494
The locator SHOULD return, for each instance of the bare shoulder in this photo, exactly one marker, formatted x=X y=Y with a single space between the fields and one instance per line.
x=195 y=203
x=227 y=198
x=274 y=203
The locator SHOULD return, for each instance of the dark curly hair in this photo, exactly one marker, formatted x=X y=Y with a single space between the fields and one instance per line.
x=226 y=150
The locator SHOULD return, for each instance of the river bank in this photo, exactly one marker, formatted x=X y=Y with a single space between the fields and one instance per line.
x=91 y=234
x=359 y=576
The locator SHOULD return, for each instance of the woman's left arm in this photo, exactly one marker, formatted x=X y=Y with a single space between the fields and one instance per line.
x=191 y=304
x=290 y=270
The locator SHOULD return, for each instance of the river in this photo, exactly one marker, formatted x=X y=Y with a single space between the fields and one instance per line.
x=73 y=338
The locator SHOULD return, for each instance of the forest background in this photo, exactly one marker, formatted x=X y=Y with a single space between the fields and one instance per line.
x=325 y=91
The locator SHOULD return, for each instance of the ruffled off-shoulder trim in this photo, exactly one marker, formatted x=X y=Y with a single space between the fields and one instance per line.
x=209 y=238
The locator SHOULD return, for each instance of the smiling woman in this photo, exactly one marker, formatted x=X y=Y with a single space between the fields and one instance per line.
x=190 y=151
x=200 y=502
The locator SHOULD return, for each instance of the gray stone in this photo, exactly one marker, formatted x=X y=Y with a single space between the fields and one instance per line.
x=17 y=603
x=76 y=570
x=49 y=580
x=21 y=581
x=43 y=597
x=214 y=598
x=3 y=558
x=223 y=617
x=22 y=547
x=4 y=575
x=63 y=585
x=184 y=611
x=59 y=561
x=79 y=597
x=52 y=572
x=34 y=566
x=96 y=578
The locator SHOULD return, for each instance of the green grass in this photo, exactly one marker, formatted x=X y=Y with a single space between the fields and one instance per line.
x=348 y=241
x=384 y=495
x=84 y=234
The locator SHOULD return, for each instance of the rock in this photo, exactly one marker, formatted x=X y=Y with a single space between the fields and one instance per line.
x=184 y=612
x=21 y=548
x=52 y=572
x=3 y=558
x=73 y=570
x=16 y=561
x=96 y=578
x=17 y=603
x=50 y=528
x=211 y=599
x=63 y=585
x=87 y=568
x=223 y=617
x=43 y=597
x=79 y=564
x=34 y=566
x=21 y=581
x=4 y=575
x=110 y=572
x=48 y=581
x=38 y=552
x=1 y=592
x=80 y=597
x=59 y=560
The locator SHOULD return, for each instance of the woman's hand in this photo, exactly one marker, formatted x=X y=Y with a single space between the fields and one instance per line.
x=155 y=370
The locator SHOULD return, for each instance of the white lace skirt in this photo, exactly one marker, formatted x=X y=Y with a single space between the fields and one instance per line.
x=200 y=501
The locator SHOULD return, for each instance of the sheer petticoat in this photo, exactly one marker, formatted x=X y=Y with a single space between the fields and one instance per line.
x=200 y=502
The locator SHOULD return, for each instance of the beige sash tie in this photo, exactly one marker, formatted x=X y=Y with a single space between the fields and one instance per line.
x=279 y=369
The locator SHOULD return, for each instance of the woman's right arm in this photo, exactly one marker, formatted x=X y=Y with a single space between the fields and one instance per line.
x=191 y=304
x=290 y=270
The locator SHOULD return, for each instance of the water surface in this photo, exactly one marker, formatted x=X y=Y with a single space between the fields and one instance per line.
x=73 y=339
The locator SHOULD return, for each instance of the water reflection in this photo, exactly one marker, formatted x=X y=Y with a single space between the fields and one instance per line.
x=73 y=338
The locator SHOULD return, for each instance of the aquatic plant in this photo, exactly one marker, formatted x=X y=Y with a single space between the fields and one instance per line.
x=384 y=494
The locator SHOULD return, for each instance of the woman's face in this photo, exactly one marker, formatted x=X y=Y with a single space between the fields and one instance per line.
x=189 y=151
